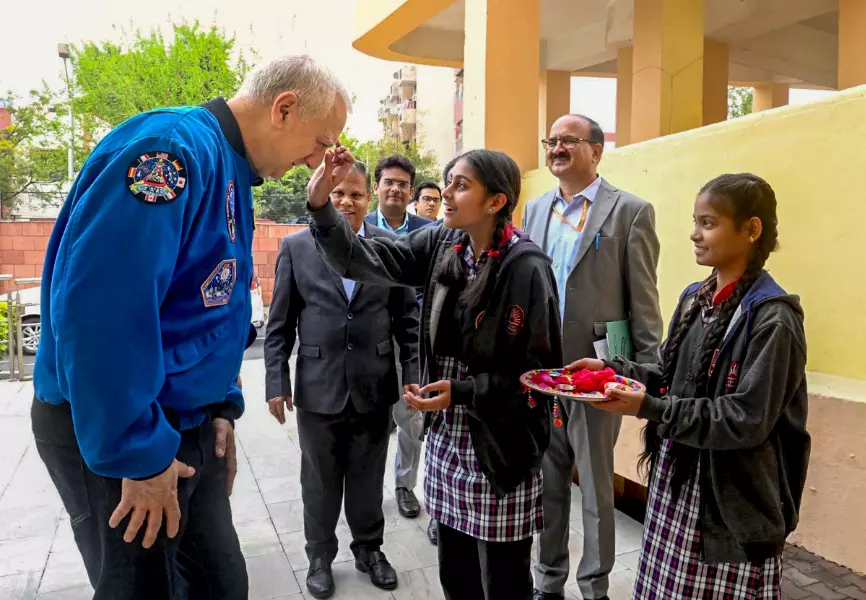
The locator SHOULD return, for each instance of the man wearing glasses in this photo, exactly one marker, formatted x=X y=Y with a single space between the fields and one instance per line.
x=393 y=186
x=395 y=176
x=428 y=200
x=605 y=251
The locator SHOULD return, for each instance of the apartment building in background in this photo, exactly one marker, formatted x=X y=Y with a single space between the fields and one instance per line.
x=419 y=107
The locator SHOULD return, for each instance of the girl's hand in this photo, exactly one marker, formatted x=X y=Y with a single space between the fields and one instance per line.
x=590 y=364
x=621 y=401
x=440 y=401
x=337 y=164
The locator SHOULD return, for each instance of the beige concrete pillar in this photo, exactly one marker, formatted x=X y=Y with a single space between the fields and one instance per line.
x=624 y=68
x=554 y=100
x=668 y=67
x=771 y=95
x=501 y=78
x=852 y=43
x=715 y=109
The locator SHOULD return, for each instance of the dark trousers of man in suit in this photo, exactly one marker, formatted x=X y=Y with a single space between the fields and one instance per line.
x=346 y=451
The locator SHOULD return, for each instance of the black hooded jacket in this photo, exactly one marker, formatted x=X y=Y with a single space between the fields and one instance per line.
x=750 y=428
x=518 y=331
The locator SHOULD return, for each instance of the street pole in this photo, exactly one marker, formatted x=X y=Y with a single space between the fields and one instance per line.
x=63 y=52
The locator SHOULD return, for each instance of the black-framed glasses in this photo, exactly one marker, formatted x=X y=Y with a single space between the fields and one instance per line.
x=567 y=142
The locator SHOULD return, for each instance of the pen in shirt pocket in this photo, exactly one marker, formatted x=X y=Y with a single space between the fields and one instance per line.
x=597 y=240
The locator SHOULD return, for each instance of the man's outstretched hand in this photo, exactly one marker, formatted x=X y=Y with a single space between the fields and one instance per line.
x=338 y=162
x=148 y=501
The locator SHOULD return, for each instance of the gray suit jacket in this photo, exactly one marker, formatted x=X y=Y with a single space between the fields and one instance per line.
x=346 y=347
x=615 y=282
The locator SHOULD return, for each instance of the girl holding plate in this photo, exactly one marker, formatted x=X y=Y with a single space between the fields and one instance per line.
x=726 y=444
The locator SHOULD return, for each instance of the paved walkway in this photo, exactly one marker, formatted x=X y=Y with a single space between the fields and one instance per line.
x=39 y=561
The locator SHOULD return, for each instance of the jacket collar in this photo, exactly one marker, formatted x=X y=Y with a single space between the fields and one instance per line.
x=219 y=108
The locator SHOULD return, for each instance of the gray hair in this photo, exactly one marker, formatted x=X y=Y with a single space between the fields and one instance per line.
x=316 y=86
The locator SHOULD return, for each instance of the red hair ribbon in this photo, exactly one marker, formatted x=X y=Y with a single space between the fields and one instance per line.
x=458 y=248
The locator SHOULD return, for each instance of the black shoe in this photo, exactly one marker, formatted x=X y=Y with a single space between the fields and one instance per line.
x=539 y=595
x=407 y=503
x=433 y=532
x=320 y=582
x=382 y=574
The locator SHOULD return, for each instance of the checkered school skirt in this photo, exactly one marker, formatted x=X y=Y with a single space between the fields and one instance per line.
x=670 y=566
x=457 y=492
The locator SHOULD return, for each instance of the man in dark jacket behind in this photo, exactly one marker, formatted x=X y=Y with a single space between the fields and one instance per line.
x=345 y=385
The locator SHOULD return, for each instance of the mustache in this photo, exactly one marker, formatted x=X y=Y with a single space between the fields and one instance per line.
x=565 y=155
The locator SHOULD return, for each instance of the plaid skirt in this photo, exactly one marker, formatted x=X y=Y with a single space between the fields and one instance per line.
x=456 y=491
x=670 y=565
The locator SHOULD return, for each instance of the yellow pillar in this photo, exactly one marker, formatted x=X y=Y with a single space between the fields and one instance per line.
x=715 y=82
x=554 y=100
x=668 y=67
x=852 y=43
x=501 y=78
x=624 y=67
x=771 y=95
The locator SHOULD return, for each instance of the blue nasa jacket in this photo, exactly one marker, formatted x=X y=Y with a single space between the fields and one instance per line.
x=145 y=291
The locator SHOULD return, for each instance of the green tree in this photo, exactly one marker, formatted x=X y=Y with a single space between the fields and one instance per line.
x=33 y=150
x=113 y=82
x=285 y=199
x=739 y=101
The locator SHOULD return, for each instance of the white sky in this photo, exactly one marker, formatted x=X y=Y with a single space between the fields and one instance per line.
x=28 y=45
x=32 y=30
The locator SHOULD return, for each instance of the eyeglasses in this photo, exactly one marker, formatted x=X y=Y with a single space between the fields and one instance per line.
x=428 y=199
x=403 y=185
x=567 y=142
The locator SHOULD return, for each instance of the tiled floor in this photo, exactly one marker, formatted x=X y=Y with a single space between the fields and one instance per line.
x=38 y=558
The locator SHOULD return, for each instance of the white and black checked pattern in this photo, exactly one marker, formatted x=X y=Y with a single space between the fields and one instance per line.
x=670 y=566
x=455 y=489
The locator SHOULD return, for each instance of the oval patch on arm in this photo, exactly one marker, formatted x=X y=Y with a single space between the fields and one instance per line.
x=156 y=177
x=514 y=320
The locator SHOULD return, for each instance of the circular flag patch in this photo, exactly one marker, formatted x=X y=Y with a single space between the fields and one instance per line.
x=156 y=177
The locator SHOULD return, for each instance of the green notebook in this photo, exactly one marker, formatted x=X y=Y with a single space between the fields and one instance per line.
x=619 y=339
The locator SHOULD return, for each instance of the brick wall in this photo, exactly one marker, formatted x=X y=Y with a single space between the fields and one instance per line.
x=23 y=244
x=22 y=248
x=265 y=247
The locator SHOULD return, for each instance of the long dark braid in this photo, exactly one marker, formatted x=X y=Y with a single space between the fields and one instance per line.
x=500 y=175
x=741 y=197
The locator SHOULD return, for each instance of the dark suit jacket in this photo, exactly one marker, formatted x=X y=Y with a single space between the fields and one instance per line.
x=346 y=346
x=415 y=222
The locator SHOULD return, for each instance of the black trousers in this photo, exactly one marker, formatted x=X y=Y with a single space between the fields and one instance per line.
x=203 y=562
x=472 y=569
x=343 y=452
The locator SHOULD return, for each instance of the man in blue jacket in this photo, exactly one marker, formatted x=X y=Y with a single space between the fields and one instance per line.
x=139 y=440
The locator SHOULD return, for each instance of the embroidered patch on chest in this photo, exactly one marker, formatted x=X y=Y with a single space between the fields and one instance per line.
x=217 y=288
x=514 y=319
x=156 y=177
x=230 y=209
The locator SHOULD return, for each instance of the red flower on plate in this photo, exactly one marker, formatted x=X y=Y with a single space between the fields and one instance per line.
x=578 y=382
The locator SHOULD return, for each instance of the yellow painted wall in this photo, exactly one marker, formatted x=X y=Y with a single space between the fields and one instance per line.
x=813 y=157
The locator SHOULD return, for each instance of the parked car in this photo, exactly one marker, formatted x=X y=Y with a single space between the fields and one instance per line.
x=31 y=327
x=258 y=318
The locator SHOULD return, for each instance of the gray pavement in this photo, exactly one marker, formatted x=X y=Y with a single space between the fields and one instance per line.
x=39 y=561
